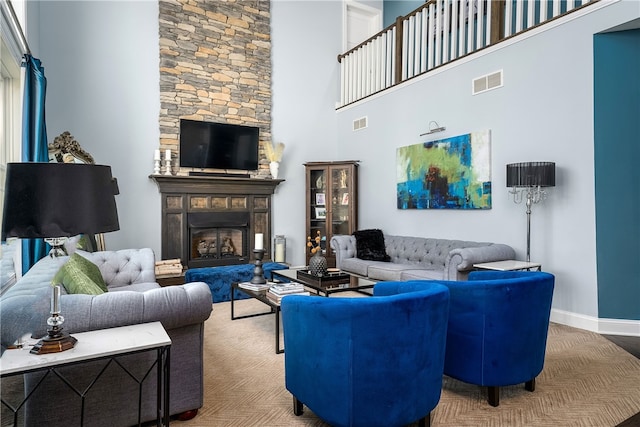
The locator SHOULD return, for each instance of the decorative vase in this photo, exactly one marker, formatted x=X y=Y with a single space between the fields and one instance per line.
x=318 y=265
x=273 y=167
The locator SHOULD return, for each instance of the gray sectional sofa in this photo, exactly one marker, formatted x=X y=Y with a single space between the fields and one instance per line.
x=418 y=258
x=133 y=297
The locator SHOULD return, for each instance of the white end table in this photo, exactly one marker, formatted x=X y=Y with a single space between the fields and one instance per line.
x=100 y=344
x=509 y=265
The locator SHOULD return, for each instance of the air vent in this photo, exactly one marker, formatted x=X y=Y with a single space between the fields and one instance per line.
x=360 y=123
x=486 y=82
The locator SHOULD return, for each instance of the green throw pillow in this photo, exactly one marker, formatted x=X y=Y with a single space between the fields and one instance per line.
x=80 y=276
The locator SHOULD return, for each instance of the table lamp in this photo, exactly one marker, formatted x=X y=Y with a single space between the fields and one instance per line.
x=53 y=201
x=528 y=179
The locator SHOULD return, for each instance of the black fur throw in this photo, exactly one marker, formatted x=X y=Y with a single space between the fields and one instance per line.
x=370 y=245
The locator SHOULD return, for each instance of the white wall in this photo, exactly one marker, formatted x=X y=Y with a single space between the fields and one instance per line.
x=101 y=61
x=305 y=90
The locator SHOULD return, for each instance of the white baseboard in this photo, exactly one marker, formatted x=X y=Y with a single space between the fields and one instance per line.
x=595 y=324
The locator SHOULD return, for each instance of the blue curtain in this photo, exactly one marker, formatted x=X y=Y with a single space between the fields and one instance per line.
x=34 y=141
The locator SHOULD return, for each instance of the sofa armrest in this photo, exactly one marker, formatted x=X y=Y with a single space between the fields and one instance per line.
x=461 y=260
x=124 y=267
x=344 y=246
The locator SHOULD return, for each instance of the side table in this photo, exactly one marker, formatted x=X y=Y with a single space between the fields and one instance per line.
x=95 y=345
x=509 y=265
x=171 y=279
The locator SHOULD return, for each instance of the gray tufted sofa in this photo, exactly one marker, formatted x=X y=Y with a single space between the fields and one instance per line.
x=418 y=258
x=134 y=297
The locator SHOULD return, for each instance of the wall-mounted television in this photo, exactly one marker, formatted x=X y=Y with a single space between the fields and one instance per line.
x=205 y=145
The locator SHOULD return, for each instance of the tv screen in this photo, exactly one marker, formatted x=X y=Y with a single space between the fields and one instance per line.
x=218 y=145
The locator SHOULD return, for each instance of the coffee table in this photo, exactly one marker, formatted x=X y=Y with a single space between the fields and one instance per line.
x=327 y=285
x=330 y=285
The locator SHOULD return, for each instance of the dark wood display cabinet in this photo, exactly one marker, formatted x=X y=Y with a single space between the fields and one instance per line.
x=331 y=202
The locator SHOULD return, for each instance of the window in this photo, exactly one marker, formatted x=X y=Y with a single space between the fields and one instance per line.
x=10 y=133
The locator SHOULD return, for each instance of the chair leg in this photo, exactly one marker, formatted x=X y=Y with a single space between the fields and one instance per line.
x=425 y=421
x=297 y=406
x=530 y=385
x=494 y=395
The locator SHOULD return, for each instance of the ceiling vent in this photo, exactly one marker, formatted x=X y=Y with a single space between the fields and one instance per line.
x=486 y=82
x=360 y=123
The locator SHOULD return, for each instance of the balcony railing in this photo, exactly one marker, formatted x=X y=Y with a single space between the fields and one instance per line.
x=438 y=33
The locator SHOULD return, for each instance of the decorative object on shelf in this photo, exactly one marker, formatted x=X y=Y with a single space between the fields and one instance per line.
x=317 y=263
x=258 y=271
x=56 y=340
x=320 y=182
x=280 y=248
x=156 y=161
x=167 y=162
x=528 y=179
x=274 y=155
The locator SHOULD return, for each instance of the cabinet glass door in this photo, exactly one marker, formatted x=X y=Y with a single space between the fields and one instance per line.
x=318 y=204
x=340 y=194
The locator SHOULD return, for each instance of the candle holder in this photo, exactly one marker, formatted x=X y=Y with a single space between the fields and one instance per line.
x=156 y=167
x=56 y=340
x=167 y=166
x=258 y=272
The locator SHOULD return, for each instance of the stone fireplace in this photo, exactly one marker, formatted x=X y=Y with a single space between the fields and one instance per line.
x=210 y=221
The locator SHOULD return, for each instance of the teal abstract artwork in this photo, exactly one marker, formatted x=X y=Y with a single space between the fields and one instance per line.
x=451 y=173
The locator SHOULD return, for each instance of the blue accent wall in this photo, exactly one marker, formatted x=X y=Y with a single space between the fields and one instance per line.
x=617 y=172
x=391 y=9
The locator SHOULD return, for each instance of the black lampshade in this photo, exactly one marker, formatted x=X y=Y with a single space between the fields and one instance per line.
x=531 y=174
x=58 y=200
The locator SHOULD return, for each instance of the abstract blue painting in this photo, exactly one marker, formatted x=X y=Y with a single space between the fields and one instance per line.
x=451 y=173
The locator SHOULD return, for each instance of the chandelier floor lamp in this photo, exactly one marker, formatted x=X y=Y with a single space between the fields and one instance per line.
x=527 y=181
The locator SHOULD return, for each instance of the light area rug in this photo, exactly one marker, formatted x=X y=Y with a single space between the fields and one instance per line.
x=586 y=381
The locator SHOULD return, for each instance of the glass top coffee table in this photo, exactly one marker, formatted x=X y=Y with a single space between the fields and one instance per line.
x=333 y=282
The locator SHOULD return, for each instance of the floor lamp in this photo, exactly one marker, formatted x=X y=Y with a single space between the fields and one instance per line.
x=528 y=179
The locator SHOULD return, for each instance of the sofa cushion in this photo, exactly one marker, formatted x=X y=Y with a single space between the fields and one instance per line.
x=80 y=276
x=370 y=245
x=356 y=266
x=422 y=274
x=387 y=271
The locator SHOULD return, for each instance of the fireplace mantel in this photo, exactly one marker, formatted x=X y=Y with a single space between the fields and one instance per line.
x=182 y=195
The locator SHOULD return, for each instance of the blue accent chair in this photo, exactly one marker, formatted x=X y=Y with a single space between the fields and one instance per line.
x=497 y=332
x=368 y=361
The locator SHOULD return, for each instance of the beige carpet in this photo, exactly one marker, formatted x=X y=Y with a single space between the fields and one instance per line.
x=587 y=381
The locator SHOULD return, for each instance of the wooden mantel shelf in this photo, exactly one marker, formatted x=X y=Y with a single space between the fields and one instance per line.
x=214 y=184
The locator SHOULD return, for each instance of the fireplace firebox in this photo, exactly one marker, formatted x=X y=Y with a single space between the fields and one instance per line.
x=218 y=239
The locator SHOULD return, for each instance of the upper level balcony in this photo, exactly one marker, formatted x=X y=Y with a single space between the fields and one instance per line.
x=437 y=33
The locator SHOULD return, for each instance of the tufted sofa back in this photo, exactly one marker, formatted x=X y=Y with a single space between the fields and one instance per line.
x=426 y=252
x=124 y=267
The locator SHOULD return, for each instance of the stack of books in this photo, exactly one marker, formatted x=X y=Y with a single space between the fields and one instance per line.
x=255 y=286
x=280 y=290
x=168 y=267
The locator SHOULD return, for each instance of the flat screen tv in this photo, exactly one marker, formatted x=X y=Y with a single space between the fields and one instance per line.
x=218 y=145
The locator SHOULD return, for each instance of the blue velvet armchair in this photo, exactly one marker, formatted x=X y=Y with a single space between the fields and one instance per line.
x=374 y=361
x=497 y=332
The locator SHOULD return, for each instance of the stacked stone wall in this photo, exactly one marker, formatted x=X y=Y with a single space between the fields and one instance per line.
x=215 y=65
